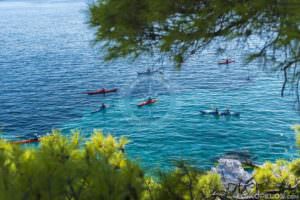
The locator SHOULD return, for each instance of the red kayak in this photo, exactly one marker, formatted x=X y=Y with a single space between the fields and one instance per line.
x=101 y=91
x=225 y=62
x=33 y=140
x=147 y=102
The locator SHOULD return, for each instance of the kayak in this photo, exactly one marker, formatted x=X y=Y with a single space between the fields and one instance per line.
x=33 y=140
x=151 y=72
x=208 y=112
x=225 y=62
x=148 y=72
x=101 y=91
x=100 y=109
x=229 y=114
x=147 y=102
x=213 y=112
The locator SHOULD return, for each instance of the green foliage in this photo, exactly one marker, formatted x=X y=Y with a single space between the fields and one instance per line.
x=186 y=183
x=208 y=185
x=281 y=177
x=119 y=29
x=181 y=27
x=297 y=130
x=295 y=167
x=61 y=169
x=275 y=176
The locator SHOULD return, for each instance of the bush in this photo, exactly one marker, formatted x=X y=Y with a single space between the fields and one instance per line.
x=275 y=176
x=297 y=130
x=186 y=183
x=61 y=169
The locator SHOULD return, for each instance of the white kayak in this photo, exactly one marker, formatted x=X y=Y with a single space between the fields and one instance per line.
x=101 y=109
x=229 y=114
x=209 y=112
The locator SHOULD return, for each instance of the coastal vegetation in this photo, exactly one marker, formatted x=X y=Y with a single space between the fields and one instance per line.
x=68 y=168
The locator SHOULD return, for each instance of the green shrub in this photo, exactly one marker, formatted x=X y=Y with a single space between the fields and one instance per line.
x=297 y=130
x=281 y=177
x=62 y=169
x=275 y=176
x=187 y=183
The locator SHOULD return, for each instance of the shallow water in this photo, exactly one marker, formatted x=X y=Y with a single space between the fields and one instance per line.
x=47 y=61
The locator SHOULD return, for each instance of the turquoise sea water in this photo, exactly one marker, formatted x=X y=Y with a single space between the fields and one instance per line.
x=47 y=61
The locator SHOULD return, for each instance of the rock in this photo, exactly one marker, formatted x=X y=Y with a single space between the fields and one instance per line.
x=231 y=171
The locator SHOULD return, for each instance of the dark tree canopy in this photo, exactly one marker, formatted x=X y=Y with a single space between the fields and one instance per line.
x=180 y=28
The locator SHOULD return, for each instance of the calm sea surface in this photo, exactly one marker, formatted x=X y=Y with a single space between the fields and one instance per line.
x=47 y=62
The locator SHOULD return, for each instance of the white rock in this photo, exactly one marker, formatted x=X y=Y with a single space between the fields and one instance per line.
x=231 y=171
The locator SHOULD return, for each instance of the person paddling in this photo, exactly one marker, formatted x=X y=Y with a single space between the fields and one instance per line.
x=103 y=90
x=216 y=111
x=226 y=61
x=103 y=106
x=226 y=112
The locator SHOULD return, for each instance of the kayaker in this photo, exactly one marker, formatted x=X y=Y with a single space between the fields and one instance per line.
x=228 y=61
x=104 y=92
x=35 y=136
x=216 y=111
x=103 y=106
x=226 y=112
x=149 y=99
